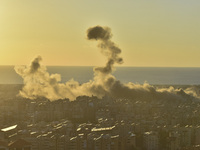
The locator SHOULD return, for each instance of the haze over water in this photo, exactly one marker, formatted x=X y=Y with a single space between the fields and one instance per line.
x=152 y=75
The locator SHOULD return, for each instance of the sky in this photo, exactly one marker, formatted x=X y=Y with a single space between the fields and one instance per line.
x=156 y=33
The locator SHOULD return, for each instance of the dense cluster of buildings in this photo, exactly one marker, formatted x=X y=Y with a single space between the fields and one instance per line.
x=89 y=123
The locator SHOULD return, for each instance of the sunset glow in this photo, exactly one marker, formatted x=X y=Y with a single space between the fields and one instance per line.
x=156 y=33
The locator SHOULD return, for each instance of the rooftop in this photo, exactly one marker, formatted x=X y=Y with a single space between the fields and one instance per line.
x=9 y=128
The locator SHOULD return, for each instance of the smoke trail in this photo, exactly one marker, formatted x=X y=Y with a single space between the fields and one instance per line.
x=109 y=49
x=39 y=83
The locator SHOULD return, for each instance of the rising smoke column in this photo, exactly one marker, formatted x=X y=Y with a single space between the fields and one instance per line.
x=114 y=87
x=39 y=83
x=109 y=49
x=103 y=75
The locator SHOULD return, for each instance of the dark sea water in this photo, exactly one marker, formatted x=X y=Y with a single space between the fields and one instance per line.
x=152 y=75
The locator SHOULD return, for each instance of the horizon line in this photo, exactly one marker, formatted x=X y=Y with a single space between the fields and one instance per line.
x=114 y=66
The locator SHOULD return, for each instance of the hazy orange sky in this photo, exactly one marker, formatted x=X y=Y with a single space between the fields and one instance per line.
x=161 y=33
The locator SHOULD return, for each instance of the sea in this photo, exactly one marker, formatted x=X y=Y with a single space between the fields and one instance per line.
x=151 y=75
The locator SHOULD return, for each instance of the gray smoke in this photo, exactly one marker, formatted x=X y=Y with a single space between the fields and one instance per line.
x=109 y=49
x=99 y=33
x=39 y=83
x=35 y=65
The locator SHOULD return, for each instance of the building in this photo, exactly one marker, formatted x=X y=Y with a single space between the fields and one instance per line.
x=5 y=133
x=150 y=140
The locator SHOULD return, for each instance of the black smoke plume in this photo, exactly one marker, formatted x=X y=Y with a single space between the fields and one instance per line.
x=109 y=48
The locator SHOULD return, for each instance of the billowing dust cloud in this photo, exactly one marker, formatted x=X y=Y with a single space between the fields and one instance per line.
x=39 y=83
